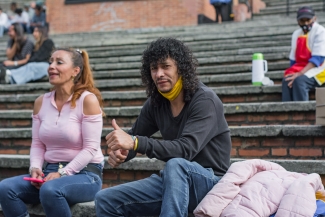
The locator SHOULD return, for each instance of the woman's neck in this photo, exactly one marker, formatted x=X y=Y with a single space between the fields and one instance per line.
x=63 y=93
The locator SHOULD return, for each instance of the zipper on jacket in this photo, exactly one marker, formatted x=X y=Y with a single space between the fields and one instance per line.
x=58 y=118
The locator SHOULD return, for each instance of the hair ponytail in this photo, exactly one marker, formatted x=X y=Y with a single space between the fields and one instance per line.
x=85 y=81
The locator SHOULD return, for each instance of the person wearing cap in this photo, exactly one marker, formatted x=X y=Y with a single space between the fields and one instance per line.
x=307 y=55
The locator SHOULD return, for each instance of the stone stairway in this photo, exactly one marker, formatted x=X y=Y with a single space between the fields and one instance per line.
x=5 y=4
x=261 y=125
x=225 y=65
x=279 y=7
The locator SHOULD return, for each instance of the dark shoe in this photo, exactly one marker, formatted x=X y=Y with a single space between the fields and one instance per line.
x=2 y=74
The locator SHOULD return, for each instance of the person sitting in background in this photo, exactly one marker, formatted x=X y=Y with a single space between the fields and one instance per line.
x=22 y=18
x=19 y=47
x=222 y=8
x=19 y=50
x=66 y=136
x=11 y=12
x=39 y=18
x=29 y=11
x=306 y=58
x=3 y=22
x=37 y=66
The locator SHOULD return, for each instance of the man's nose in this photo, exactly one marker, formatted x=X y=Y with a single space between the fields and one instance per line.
x=305 y=22
x=160 y=72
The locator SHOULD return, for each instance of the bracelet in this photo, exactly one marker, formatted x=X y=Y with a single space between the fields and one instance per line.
x=135 y=140
x=30 y=170
x=136 y=144
x=15 y=63
x=62 y=172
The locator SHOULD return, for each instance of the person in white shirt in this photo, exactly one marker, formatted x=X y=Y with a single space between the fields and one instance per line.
x=22 y=18
x=4 y=23
x=11 y=12
x=307 y=57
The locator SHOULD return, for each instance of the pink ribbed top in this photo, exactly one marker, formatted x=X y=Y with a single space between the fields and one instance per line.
x=66 y=136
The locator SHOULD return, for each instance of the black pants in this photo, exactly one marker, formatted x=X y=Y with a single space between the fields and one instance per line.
x=222 y=9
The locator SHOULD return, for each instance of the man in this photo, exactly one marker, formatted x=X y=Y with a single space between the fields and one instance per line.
x=196 y=140
x=11 y=13
x=29 y=10
x=22 y=18
x=306 y=58
x=223 y=8
x=39 y=18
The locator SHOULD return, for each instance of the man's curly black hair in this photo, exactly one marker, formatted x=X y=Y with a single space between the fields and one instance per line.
x=186 y=63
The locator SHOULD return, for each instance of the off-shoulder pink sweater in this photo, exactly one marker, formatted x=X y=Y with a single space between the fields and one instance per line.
x=66 y=136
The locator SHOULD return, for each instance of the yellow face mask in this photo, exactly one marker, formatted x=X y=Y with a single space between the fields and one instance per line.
x=171 y=95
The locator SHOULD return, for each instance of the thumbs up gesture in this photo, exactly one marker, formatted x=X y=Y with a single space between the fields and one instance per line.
x=115 y=126
x=118 y=139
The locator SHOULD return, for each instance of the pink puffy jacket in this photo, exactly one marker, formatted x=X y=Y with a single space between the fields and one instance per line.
x=258 y=188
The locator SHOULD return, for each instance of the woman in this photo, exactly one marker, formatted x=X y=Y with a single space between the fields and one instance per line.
x=66 y=136
x=36 y=68
x=19 y=48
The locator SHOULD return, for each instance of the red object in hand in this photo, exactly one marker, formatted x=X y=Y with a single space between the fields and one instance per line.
x=34 y=179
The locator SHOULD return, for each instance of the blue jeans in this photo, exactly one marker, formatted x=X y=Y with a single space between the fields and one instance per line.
x=29 y=72
x=2 y=29
x=300 y=89
x=55 y=196
x=178 y=190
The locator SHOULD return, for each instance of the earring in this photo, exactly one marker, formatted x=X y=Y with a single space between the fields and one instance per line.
x=72 y=77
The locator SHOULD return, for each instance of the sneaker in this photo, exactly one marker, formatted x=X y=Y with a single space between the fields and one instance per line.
x=7 y=76
x=2 y=74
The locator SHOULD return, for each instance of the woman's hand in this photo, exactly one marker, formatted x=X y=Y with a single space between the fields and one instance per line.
x=8 y=63
x=38 y=174
x=52 y=176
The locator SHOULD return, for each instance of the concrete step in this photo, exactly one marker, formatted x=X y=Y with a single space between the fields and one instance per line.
x=291 y=2
x=228 y=94
x=234 y=59
x=243 y=48
x=195 y=45
x=206 y=55
x=317 y=6
x=195 y=37
x=237 y=114
x=226 y=47
x=268 y=27
x=187 y=34
x=136 y=83
x=202 y=70
x=271 y=141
